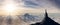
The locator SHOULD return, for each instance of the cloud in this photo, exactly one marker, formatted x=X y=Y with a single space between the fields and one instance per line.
x=30 y=4
x=56 y=2
x=34 y=3
x=29 y=18
x=39 y=3
x=1 y=1
x=17 y=1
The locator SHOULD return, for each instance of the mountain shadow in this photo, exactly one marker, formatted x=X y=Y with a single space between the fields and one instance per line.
x=46 y=21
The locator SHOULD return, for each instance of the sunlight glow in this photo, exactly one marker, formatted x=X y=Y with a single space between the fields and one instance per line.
x=10 y=7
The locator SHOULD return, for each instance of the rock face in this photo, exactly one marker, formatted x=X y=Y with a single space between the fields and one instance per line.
x=46 y=21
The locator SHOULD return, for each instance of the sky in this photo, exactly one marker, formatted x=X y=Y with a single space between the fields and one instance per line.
x=19 y=7
x=30 y=6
